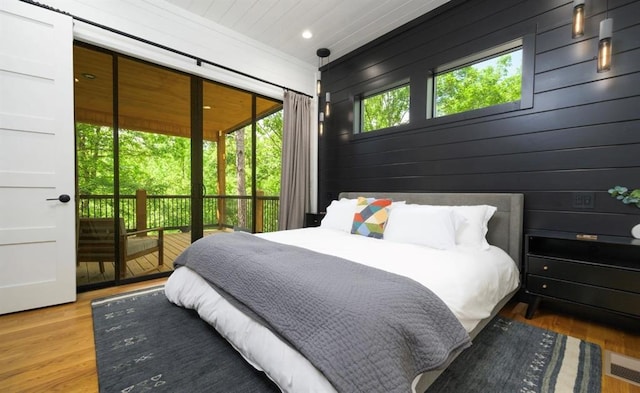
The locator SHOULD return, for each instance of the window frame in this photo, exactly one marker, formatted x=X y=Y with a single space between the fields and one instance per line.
x=421 y=90
x=359 y=107
x=525 y=42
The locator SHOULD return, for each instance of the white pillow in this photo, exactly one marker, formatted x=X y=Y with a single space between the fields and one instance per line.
x=340 y=215
x=424 y=225
x=474 y=231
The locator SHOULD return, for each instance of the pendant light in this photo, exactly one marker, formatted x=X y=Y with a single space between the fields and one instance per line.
x=322 y=53
x=578 y=19
x=604 y=45
x=327 y=104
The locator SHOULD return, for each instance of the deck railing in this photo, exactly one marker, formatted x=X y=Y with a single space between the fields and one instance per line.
x=174 y=211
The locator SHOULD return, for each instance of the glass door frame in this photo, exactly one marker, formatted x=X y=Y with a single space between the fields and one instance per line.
x=197 y=170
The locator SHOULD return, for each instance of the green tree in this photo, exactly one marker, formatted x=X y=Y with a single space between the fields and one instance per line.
x=475 y=87
x=269 y=153
x=387 y=109
x=94 y=150
x=210 y=166
x=161 y=164
x=268 y=156
x=241 y=176
x=158 y=163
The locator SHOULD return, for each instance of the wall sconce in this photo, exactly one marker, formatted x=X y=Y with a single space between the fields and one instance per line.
x=578 y=19
x=604 y=45
x=322 y=54
x=321 y=123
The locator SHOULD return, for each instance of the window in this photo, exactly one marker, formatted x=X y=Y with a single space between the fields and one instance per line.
x=389 y=108
x=482 y=80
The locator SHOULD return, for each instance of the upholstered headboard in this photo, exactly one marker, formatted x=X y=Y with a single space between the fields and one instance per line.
x=505 y=227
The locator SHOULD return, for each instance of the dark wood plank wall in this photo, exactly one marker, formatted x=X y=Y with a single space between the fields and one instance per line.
x=581 y=135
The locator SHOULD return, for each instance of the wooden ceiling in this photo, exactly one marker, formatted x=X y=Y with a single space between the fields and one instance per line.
x=340 y=25
x=155 y=99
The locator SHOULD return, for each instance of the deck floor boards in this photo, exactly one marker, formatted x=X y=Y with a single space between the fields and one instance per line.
x=174 y=244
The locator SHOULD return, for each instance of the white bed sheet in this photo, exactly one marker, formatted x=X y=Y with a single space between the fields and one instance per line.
x=469 y=281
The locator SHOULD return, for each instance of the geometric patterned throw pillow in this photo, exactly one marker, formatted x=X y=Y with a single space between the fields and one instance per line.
x=370 y=217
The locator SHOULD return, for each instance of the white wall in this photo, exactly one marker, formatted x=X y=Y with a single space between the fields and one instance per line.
x=166 y=24
x=163 y=23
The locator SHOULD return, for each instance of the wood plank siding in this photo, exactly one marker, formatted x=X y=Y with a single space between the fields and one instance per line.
x=582 y=133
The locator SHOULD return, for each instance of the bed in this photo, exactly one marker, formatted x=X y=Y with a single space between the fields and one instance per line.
x=473 y=299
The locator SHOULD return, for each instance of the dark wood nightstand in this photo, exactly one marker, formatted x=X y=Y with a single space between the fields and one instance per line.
x=603 y=273
x=313 y=219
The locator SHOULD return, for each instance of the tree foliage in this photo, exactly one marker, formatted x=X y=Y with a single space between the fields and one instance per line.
x=269 y=153
x=387 y=109
x=95 y=161
x=161 y=164
x=157 y=163
x=474 y=87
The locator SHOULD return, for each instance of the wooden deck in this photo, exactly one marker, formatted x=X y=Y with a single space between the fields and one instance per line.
x=174 y=244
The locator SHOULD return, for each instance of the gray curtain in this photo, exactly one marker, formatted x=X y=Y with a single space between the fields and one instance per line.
x=295 y=178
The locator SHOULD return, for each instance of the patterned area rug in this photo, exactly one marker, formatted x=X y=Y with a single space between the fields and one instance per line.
x=512 y=357
x=146 y=344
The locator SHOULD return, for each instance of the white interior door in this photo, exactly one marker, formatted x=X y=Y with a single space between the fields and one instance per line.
x=37 y=236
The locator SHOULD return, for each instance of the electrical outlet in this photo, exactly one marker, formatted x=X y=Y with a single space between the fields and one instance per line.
x=583 y=200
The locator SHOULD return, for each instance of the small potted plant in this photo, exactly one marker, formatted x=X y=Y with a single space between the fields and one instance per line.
x=628 y=197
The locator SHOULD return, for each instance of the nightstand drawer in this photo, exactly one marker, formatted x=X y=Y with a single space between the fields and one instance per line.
x=604 y=276
x=602 y=271
x=621 y=301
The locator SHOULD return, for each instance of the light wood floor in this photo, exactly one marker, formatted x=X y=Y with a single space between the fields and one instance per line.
x=52 y=349
x=624 y=342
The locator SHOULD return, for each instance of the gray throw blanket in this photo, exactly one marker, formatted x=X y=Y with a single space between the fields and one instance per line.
x=365 y=329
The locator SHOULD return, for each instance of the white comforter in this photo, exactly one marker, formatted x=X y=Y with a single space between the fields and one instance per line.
x=469 y=281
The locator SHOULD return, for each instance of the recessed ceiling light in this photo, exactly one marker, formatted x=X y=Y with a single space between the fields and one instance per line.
x=88 y=75
x=307 y=34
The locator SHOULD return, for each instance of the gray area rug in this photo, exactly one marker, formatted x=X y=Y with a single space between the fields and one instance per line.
x=512 y=357
x=146 y=344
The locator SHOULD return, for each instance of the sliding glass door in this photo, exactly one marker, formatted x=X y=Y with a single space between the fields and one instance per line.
x=95 y=166
x=154 y=151
x=268 y=158
x=242 y=147
x=226 y=165
x=164 y=158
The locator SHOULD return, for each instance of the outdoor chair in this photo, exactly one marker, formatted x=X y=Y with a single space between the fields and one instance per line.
x=96 y=243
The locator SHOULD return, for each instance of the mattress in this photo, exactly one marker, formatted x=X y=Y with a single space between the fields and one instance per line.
x=471 y=282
